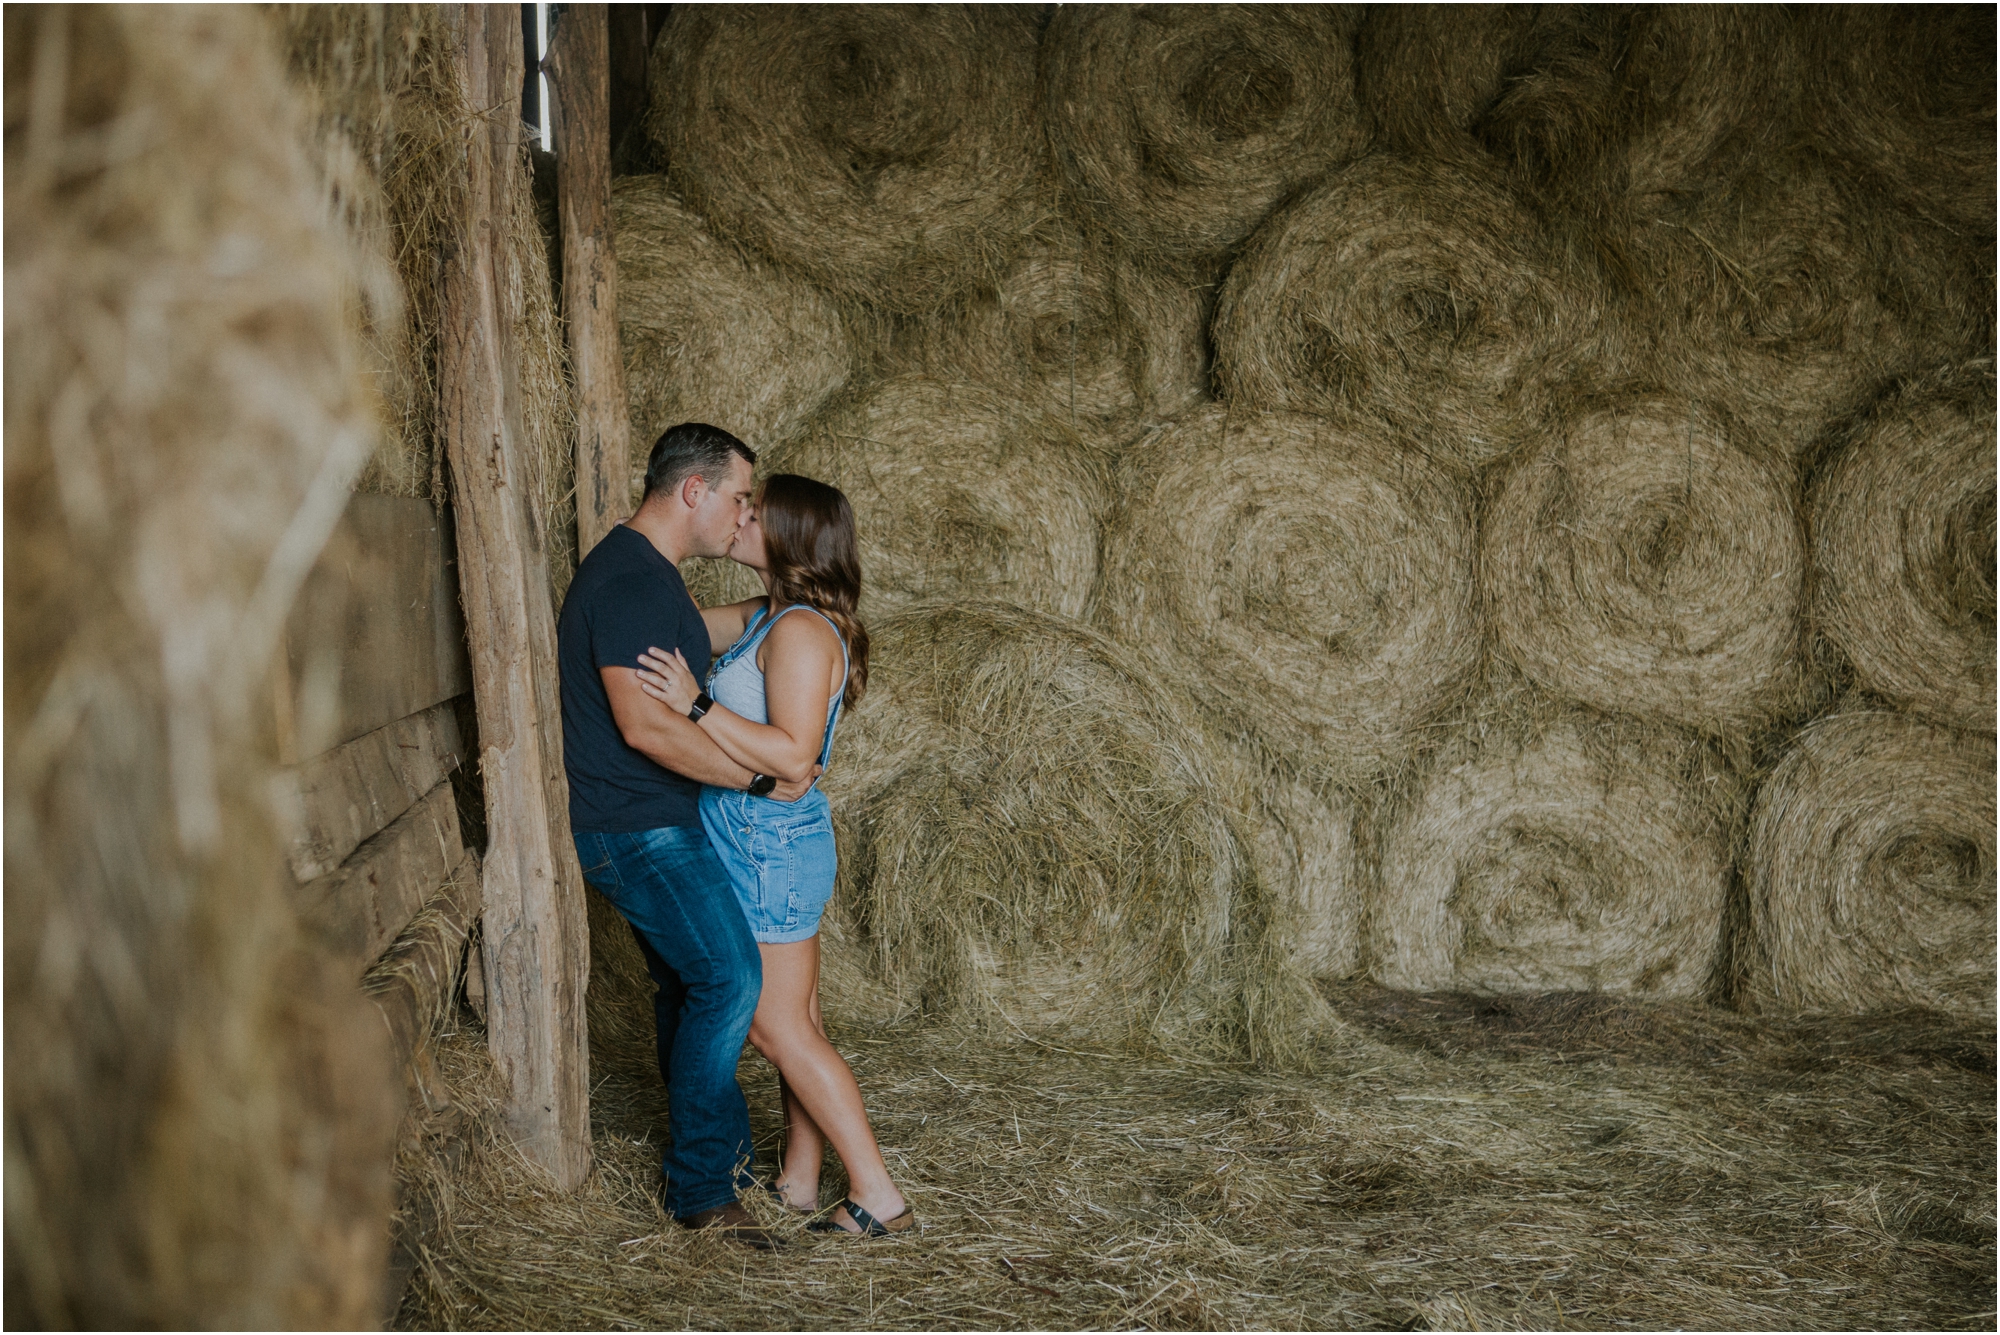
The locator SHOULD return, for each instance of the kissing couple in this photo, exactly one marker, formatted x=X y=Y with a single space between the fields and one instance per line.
x=694 y=739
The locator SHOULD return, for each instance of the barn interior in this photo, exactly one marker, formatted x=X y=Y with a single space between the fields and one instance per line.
x=1431 y=758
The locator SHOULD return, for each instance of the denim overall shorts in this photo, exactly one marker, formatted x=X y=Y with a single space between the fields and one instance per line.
x=779 y=855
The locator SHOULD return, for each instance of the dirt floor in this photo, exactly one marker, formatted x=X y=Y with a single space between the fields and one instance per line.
x=1460 y=1163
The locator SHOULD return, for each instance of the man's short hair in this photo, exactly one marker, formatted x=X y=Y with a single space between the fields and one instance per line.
x=689 y=450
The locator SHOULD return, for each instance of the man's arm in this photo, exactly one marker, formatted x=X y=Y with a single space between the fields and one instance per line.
x=672 y=740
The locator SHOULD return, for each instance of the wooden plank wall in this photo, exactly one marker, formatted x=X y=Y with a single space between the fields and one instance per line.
x=375 y=649
x=368 y=718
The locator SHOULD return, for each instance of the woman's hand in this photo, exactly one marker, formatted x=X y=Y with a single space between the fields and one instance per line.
x=668 y=680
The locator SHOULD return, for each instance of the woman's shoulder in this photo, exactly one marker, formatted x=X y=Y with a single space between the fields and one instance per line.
x=802 y=624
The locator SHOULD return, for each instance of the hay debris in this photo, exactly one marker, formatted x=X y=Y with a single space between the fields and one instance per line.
x=1903 y=538
x=889 y=152
x=1030 y=837
x=1657 y=1165
x=1545 y=850
x=1642 y=563
x=711 y=334
x=1308 y=582
x=199 y=1109
x=1871 y=867
x=1179 y=128
x=1418 y=292
x=958 y=493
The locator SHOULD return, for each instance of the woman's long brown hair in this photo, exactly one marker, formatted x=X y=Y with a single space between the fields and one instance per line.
x=815 y=559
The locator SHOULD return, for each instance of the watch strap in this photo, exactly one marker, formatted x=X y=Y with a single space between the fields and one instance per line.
x=702 y=704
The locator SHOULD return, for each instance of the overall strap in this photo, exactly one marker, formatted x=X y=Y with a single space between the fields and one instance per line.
x=846 y=665
x=753 y=634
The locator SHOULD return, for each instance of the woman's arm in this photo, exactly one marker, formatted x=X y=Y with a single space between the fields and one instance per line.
x=800 y=656
x=725 y=623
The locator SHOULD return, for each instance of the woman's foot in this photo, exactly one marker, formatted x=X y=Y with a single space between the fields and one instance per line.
x=859 y=1216
x=797 y=1198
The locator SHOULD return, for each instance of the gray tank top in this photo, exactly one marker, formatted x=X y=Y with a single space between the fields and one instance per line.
x=737 y=684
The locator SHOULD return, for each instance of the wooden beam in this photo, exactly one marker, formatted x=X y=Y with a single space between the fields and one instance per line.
x=579 y=68
x=532 y=920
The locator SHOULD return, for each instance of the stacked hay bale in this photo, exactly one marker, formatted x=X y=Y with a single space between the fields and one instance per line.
x=1566 y=372
x=200 y=1114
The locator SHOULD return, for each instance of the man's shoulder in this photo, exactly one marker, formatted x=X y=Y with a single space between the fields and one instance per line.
x=618 y=567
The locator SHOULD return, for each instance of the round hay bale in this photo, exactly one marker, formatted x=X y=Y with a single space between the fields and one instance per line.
x=200 y=1107
x=1903 y=548
x=1613 y=107
x=1426 y=74
x=1418 y=292
x=1565 y=853
x=1028 y=833
x=1076 y=330
x=1641 y=563
x=1906 y=92
x=711 y=334
x=1704 y=87
x=889 y=152
x=1309 y=582
x=958 y=493
x=1791 y=297
x=1871 y=867
x=1180 y=127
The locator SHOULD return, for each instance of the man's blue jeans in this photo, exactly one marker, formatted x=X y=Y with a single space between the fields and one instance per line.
x=674 y=892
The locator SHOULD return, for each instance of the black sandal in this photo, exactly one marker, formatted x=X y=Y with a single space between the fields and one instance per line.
x=869 y=1226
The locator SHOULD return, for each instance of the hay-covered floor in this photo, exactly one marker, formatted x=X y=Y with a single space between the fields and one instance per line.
x=1468 y=1164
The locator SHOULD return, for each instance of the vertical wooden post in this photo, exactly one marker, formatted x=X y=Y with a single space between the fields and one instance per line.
x=536 y=953
x=579 y=64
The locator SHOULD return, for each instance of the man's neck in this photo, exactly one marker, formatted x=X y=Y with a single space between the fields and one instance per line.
x=663 y=529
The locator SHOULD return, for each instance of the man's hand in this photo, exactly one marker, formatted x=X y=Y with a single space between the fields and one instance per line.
x=793 y=790
x=667 y=739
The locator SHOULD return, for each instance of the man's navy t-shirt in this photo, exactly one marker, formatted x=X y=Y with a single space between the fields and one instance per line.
x=625 y=598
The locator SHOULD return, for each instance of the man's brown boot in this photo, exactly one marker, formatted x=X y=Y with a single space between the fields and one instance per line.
x=733 y=1223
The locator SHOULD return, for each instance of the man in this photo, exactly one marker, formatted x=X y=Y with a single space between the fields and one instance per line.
x=635 y=774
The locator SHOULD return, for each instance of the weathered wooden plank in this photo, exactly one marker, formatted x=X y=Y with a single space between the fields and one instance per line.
x=343 y=796
x=376 y=634
x=358 y=909
x=579 y=67
x=536 y=955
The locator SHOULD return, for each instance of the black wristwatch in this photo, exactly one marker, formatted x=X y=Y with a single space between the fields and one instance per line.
x=702 y=704
x=761 y=785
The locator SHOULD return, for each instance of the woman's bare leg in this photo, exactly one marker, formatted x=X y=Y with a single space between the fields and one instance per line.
x=805 y=1146
x=787 y=1031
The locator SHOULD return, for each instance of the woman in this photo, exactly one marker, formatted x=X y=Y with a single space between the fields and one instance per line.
x=788 y=663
